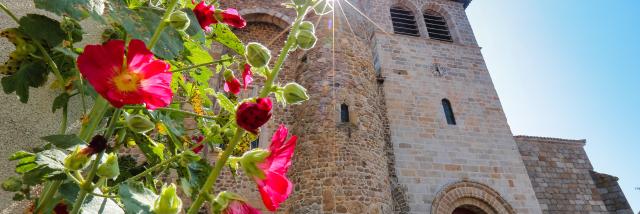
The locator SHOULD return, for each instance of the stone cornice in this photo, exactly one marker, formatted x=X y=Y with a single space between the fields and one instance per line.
x=551 y=140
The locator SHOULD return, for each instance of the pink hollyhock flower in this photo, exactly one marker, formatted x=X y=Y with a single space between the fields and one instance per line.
x=251 y=116
x=247 y=76
x=239 y=207
x=142 y=79
x=232 y=18
x=275 y=188
x=205 y=15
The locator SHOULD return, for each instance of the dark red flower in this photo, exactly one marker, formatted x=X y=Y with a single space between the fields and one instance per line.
x=275 y=188
x=251 y=116
x=198 y=140
x=247 y=75
x=205 y=15
x=61 y=208
x=231 y=17
x=97 y=145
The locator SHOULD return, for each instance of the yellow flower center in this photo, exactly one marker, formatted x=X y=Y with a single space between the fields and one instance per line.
x=126 y=81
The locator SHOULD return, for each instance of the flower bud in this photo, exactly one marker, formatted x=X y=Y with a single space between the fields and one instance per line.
x=12 y=184
x=71 y=27
x=250 y=160
x=168 y=202
x=139 y=124
x=308 y=26
x=110 y=168
x=231 y=203
x=179 y=20
x=77 y=160
x=257 y=55
x=295 y=93
x=306 y=39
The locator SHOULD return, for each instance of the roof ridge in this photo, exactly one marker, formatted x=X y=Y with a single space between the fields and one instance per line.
x=552 y=139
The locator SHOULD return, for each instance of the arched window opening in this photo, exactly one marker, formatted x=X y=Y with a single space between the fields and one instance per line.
x=437 y=26
x=404 y=22
x=448 y=112
x=344 y=113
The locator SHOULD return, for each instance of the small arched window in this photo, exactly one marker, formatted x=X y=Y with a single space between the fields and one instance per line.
x=404 y=22
x=437 y=26
x=448 y=112
x=255 y=143
x=344 y=113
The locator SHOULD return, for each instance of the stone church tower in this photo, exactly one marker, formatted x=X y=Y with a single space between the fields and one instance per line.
x=403 y=115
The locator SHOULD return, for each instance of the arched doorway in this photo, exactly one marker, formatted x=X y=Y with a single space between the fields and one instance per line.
x=468 y=209
x=469 y=197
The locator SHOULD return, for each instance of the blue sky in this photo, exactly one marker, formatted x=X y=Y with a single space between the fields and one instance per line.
x=569 y=69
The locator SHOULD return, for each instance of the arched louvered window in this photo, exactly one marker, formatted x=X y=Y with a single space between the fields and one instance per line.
x=437 y=26
x=344 y=113
x=404 y=22
x=448 y=112
x=255 y=143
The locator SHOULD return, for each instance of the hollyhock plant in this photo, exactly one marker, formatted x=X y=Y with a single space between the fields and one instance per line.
x=251 y=116
x=275 y=187
x=141 y=80
x=247 y=75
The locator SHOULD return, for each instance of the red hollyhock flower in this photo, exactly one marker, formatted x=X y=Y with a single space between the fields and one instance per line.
x=275 y=188
x=205 y=15
x=232 y=18
x=142 y=79
x=61 y=208
x=247 y=75
x=251 y=116
x=232 y=85
x=239 y=207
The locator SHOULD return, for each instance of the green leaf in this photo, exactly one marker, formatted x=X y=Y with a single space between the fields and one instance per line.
x=136 y=198
x=60 y=102
x=42 y=28
x=141 y=24
x=92 y=204
x=224 y=35
x=64 y=141
x=21 y=154
x=225 y=103
x=32 y=74
x=52 y=159
x=78 y=9
x=153 y=151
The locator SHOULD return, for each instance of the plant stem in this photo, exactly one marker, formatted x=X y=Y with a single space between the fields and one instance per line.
x=63 y=124
x=203 y=64
x=8 y=12
x=95 y=116
x=213 y=176
x=51 y=63
x=153 y=168
x=87 y=184
x=175 y=110
x=291 y=41
x=52 y=188
x=163 y=24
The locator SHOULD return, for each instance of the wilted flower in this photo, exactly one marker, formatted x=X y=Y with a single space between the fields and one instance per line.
x=247 y=75
x=80 y=157
x=251 y=116
x=142 y=79
x=232 y=18
x=198 y=140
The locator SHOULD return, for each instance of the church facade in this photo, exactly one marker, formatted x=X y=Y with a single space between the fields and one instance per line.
x=404 y=118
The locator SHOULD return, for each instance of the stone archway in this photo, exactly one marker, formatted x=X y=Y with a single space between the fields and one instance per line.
x=469 y=197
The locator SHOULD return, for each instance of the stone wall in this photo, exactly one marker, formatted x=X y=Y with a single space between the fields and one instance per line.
x=611 y=193
x=418 y=73
x=560 y=172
